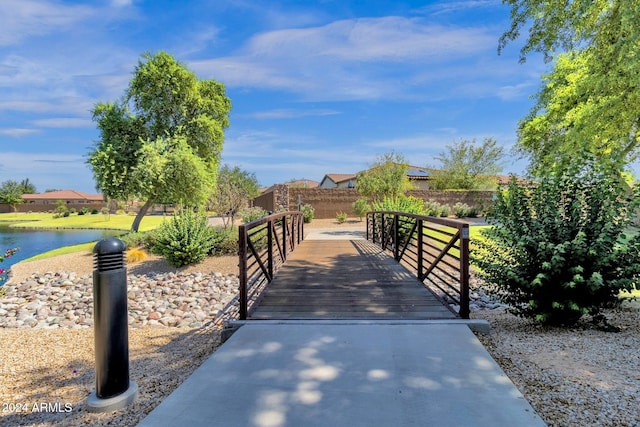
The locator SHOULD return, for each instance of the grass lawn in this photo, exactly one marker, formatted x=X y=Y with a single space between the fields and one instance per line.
x=22 y=217
x=110 y=222
x=82 y=247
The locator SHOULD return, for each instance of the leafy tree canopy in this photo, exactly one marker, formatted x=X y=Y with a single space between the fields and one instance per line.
x=11 y=191
x=466 y=165
x=234 y=188
x=162 y=141
x=386 y=177
x=590 y=102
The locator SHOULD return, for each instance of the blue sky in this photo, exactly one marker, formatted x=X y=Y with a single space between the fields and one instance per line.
x=317 y=87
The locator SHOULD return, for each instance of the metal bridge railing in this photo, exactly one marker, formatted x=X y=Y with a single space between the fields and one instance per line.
x=264 y=245
x=436 y=249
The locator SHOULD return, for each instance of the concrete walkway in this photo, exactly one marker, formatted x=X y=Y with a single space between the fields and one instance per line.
x=385 y=374
x=335 y=373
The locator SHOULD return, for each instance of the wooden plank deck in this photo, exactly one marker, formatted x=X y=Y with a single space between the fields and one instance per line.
x=346 y=279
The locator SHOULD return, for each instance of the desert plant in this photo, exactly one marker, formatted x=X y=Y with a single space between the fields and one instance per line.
x=134 y=255
x=251 y=214
x=185 y=239
x=361 y=207
x=61 y=209
x=401 y=203
x=341 y=217
x=225 y=241
x=307 y=213
x=558 y=250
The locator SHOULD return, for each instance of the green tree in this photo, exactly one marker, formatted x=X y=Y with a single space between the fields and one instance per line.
x=385 y=178
x=465 y=165
x=27 y=186
x=234 y=188
x=11 y=193
x=163 y=141
x=590 y=102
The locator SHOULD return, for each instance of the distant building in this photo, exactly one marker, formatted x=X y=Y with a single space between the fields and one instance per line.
x=338 y=180
x=418 y=176
x=70 y=197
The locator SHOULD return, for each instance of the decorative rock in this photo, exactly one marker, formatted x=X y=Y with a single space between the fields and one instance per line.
x=65 y=300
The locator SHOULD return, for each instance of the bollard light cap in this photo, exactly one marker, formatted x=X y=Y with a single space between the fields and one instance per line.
x=110 y=245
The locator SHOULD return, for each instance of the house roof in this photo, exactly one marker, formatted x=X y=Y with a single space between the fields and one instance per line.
x=305 y=183
x=418 y=173
x=64 y=195
x=337 y=178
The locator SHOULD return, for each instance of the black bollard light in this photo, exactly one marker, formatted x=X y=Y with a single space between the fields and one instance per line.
x=110 y=322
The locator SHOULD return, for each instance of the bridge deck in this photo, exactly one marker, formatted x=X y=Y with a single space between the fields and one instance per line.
x=346 y=279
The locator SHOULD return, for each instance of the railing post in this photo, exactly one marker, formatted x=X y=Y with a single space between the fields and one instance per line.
x=242 y=267
x=284 y=238
x=396 y=236
x=383 y=242
x=420 y=249
x=464 y=271
x=367 y=232
x=270 y=248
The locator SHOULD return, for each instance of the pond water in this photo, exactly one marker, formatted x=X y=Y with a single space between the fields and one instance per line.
x=34 y=242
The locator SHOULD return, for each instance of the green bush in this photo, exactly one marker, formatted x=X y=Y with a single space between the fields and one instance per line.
x=341 y=217
x=432 y=208
x=251 y=214
x=94 y=211
x=361 y=207
x=444 y=211
x=307 y=213
x=461 y=210
x=139 y=239
x=401 y=203
x=557 y=250
x=185 y=239
x=225 y=241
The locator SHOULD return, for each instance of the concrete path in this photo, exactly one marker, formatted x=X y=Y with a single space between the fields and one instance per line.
x=340 y=374
x=334 y=373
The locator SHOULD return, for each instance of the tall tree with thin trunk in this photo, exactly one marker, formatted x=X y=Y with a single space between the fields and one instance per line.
x=162 y=141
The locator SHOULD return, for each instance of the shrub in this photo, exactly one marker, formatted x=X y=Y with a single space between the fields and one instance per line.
x=341 y=217
x=94 y=211
x=139 y=239
x=73 y=210
x=225 y=241
x=401 y=203
x=461 y=210
x=134 y=255
x=61 y=209
x=251 y=214
x=120 y=212
x=185 y=239
x=444 y=211
x=307 y=213
x=66 y=214
x=361 y=207
x=436 y=209
x=558 y=250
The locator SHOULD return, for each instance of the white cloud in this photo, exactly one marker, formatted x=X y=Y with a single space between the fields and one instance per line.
x=27 y=18
x=17 y=132
x=361 y=59
x=448 y=6
x=64 y=122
